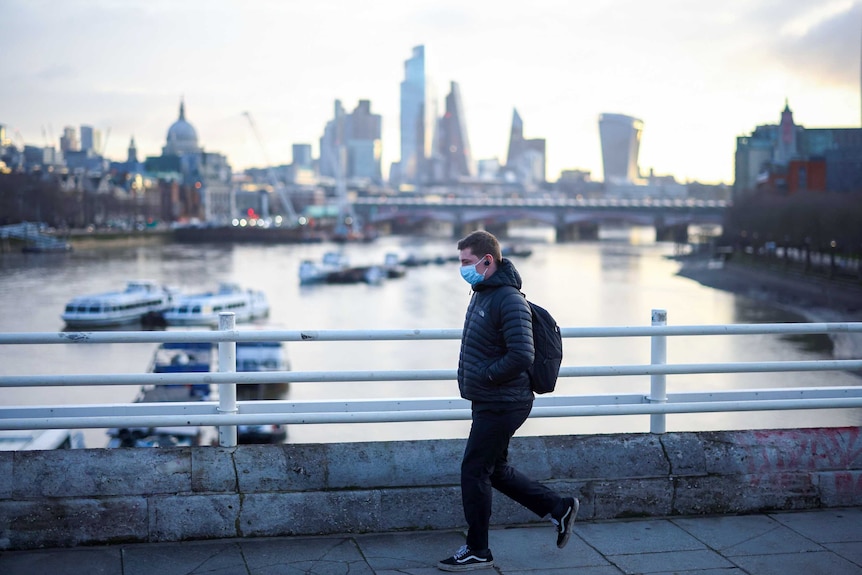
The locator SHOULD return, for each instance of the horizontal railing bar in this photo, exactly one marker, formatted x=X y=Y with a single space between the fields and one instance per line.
x=367 y=405
x=410 y=334
x=223 y=419
x=412 y=375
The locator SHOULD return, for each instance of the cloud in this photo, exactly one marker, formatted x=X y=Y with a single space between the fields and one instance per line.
x=817 y=43
x=827 y=52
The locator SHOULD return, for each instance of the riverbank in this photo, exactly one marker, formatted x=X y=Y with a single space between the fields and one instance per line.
x=83 y=240
x=814 y=299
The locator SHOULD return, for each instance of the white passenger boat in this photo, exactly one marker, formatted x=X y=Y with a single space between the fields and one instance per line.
x=139 y=299
x=204 y=308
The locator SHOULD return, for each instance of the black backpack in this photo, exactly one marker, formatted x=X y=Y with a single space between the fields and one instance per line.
x=548 y=344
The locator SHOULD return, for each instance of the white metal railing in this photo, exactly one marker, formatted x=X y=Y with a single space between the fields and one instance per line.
x=227 y=413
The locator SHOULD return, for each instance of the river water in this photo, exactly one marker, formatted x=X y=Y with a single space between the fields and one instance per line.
x=616 y=281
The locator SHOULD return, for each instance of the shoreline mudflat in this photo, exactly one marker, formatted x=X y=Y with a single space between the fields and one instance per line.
x=817 y=300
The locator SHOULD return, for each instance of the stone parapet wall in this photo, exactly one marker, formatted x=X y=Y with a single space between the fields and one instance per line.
x=97 y=496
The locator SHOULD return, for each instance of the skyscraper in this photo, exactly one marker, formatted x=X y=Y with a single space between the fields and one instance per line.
x=418 y=118
x=332 y=144
x=516 y=138
x=526 y=158
x=351 y=144
x=302 y=155
x=364 y=143
x=91 y=139
x=454 y=146
x=69 y=140
x=621 y=137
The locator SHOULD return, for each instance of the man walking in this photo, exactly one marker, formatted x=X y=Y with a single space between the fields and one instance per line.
x=496 y=351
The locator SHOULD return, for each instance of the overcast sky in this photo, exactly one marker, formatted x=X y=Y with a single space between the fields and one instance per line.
x=698 y=74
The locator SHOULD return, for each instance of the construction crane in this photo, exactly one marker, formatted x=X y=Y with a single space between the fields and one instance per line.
x=278 y=186
x=105 y=142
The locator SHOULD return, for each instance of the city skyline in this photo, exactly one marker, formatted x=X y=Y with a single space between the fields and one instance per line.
x=698 y=76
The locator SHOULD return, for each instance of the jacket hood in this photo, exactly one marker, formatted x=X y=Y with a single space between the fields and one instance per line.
x=506 y=275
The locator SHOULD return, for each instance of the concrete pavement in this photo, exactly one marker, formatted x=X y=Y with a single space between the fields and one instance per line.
x=811 y=542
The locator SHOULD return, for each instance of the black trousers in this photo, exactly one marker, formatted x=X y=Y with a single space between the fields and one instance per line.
x=486 y=466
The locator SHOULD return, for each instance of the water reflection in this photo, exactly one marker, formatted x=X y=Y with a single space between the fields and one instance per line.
x=600 y=283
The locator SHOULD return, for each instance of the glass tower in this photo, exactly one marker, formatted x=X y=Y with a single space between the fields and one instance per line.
x=454 y=144
x=621 y=138
x=418 y=117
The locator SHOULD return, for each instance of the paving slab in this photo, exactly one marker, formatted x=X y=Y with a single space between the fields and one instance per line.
x=74 y=561
x=820 y=563
x=190 y=558
x=746 y=535
x=636 y=536
x=293 y=556
x=671 y=561
x=827 y=542
x=825 y=525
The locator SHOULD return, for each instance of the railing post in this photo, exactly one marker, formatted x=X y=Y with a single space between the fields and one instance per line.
x=227 y=391
x=658 y=387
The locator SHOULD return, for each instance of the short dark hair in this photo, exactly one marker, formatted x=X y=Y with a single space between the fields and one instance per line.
x=480 y=243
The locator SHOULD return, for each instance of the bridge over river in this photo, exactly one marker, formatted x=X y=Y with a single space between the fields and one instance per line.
x=572 y=218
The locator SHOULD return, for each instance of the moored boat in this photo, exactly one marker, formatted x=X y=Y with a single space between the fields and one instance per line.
x=335 y=268
x=261 y=356
x=141 y=297
x=392 y=267
x=170 y=357
x=204 y=308
x=200 y=357
x=311 y=272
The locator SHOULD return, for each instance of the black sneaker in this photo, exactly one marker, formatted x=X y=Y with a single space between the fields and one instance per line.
x=466 y=560
x=564 y=520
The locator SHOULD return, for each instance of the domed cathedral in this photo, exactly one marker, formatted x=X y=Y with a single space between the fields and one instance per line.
x=182 y=136
x=196 y=185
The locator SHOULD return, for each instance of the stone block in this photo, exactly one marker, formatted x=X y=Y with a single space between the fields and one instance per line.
x=214 y=470
x=421 y=508
x=631 y=498
x=69 y=522
x=362 y=465
x=781 y=450
x=101 y=472
x=286 y=467
x=744 y=493
x=839 y=488
x=529 y=455
x=182 y=517
x=606 y=456
x=684 y=453
x=310 y=513
x=6 y=470
x=429 y=463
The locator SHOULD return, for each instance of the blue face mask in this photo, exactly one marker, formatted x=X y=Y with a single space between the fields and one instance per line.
x=471 y=275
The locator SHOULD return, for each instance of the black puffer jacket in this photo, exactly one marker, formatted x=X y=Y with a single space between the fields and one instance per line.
x=497 y=342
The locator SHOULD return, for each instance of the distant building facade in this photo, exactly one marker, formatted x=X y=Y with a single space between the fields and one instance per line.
x=69 y=140
x=620 y=139
x=525 y=160
x=351 y=145
x=787 y=158
x=195 y=184
x=454 y=144
x=418 y=119
x=91 y=140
